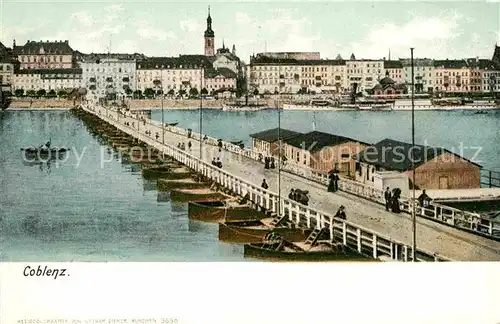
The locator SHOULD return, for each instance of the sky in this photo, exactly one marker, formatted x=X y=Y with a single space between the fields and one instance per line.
x=369 y=29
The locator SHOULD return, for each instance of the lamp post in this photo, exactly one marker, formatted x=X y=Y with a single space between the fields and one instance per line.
x=162 y=115
x=413 y=215
x=201 y=105
x=279 y=142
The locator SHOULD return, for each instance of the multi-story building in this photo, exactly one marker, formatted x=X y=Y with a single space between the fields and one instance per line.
x=490 y=79
x=290 y=75
x=48 y=79
x=109 y=76
x=480 y=68
x=363 y=74
x=423 y=70
x=44 y=55
x=172 y=73
x=291 y=55
x=323 y=75
x=451 y=75
x=217 y=80
x=6 y=65
x=269 y=75
x=395 y=71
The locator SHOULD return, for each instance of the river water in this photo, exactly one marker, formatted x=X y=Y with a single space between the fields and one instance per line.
x=80 y=210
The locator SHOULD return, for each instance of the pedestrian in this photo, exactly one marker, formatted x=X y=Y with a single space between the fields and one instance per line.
x=341 y=213
x=264 y=184
x=291 y=195
x=387 y=197
x=214 y=162
x=331 y=184
x=189 y=145
x=219 y=163
x=336 y=181
x=395 y=200
x=424 y=199
x=266 y=163
x=272 y=166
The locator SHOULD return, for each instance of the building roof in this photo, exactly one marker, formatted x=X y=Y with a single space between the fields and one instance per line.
x=315 y=141
x=225 y=72
x=450 y=64
x=496 y=54
x=3 y=49
x=181 y=62
x=417 y=62
x=50 y=71
x=99 y=56
x=482 y=64
x=386 y=81
x=265 y=60
x=271 y=135
x=393 y=64
x=56 y=48
x=397 y=156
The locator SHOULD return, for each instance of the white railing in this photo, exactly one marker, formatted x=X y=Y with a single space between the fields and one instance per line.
x=355 y=237
x=457 y=218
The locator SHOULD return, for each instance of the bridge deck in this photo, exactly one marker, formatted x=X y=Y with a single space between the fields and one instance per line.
x=432 y=236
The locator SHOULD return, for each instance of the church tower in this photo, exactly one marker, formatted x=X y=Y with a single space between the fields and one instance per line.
x=209 y=37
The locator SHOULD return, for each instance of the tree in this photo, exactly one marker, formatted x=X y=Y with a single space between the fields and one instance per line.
x=171 y=92
x=51 y=94
x=182 y=92
x=149 y=93
x=31 y=93
x=137 y=94
x=256 y=92
x=19 y=92
x=193 y=92
x=62 y=93
x=41 y=93
x=204 y=91
x=128 y=91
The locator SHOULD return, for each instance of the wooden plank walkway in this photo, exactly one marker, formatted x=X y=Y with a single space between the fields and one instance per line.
x=443 y=240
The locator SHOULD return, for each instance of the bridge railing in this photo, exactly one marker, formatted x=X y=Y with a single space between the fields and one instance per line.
x=440 y=213
x=490 y=178
x=358 y=238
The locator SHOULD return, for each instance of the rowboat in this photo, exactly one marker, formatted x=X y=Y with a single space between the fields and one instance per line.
x=282 y=250
x=34 y=153
x=195 y=194
x=256 y=231
x=218 y=211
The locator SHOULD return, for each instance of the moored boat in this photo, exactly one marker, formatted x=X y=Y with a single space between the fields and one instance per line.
x=256 y=231
x=282 y=250
x=167 y=172
x=218 y=211
x=43 y=153
x=195 y=194
x=188 y=183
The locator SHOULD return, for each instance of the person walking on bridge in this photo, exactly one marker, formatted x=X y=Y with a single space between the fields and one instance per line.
x=264 y=184
x=387 y=197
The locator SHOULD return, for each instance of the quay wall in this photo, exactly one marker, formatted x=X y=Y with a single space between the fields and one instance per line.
x=353 y=236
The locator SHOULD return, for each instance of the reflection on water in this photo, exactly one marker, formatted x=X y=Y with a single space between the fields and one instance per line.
x=149 y=185
x=82 y=209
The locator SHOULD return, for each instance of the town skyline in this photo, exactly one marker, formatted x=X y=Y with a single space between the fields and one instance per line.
x=169 y=29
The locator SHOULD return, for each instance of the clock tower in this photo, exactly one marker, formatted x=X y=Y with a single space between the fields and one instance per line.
x=209 y=37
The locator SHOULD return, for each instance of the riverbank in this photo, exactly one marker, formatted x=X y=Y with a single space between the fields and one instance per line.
x=40 y=104
x=135 y=104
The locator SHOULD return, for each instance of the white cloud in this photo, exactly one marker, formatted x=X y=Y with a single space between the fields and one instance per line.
x=147 y=31
x=83 y=18
x=429 y=35
x=242 y=18
x=191 y=26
